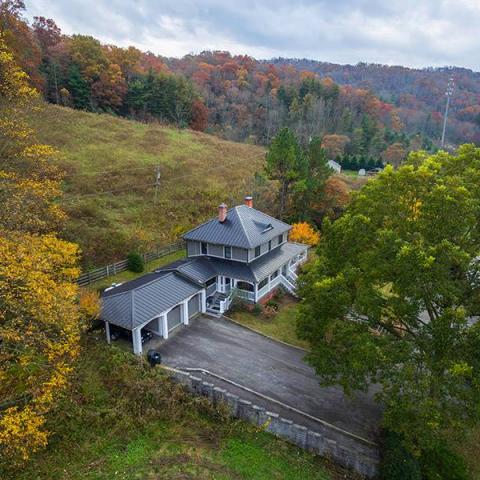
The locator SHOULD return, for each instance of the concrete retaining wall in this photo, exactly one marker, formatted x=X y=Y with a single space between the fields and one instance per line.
x=346 y=450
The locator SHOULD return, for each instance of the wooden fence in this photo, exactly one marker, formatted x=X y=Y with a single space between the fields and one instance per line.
x=117 y=267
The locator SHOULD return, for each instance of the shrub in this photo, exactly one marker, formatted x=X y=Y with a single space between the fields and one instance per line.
x=269 y=311
x=257 y=309
x=441 y=463
x=397 y=463
x=135 y=262
x=239 y=305
x=279 y=293
x=272 y=304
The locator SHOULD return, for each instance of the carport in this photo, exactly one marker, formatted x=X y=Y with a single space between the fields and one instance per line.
x=159 y=302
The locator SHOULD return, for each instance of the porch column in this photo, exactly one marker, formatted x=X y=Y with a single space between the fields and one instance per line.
x=255 y=292
x=164 y=326
x=107 y=331
x=137 y=341
x=204 y=301
x=184 y=309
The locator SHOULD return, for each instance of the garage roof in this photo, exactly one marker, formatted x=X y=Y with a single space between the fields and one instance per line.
x=136 y=302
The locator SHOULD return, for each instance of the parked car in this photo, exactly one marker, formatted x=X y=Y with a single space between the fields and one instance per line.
x=118 y=332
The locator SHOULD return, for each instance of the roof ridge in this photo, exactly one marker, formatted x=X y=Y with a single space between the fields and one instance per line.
x=243 y=226
x=140 y=286
x=267 y=215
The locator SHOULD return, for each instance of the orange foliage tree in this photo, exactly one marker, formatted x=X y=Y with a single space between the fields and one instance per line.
x=39 y=317
x=394 y=154
x=303 y=232
x=335 y=199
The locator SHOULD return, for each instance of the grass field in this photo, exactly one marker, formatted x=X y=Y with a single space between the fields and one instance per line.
x=128 y=275
x=124 y=420
x=102 y=153
x=282 y=326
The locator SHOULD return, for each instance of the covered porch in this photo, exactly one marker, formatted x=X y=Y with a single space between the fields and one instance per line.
x=263 y=278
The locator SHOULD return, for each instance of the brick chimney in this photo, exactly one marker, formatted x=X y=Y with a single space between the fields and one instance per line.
x=222 y=213
x=249 y=201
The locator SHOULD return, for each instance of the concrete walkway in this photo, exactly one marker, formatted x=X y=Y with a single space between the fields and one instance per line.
x=271 y=368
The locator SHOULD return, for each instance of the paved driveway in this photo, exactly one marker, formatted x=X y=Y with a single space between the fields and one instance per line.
x=271 y=368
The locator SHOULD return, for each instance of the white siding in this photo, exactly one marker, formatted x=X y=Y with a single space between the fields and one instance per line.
x=240 y=254
x=193 y=248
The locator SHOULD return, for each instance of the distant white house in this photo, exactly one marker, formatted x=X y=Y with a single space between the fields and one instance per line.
x=334 y=166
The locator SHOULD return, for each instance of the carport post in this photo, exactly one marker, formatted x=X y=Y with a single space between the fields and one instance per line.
x=107 y=331
x=204 y=301
x=184 y=308
x=137 y=341
x=164 y=326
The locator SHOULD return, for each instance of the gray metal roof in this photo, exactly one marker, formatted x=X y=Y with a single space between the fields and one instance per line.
x=134 y=303
x=244 y=227
x=263 y=266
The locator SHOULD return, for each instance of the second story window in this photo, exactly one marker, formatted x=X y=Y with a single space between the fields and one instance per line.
x=269 y=245
x=204 y=248
x=280 y=239
x=228 y=252
x=257 y=251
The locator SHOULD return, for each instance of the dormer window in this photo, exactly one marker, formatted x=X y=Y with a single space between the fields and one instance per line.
x=269 y=245
x=204 y=248
x=257 y=251
x=228 y=252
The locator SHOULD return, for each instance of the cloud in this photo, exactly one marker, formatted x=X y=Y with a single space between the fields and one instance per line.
x=415 y=33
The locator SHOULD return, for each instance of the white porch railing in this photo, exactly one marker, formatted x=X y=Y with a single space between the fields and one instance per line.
x=225 y=304
x=288 y=285
x=246 y=295
x=211 y=289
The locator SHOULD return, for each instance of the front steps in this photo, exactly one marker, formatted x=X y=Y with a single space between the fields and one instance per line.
x=214 y=307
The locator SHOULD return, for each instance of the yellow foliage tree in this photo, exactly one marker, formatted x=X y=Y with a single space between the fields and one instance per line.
x=39 y=314
x=303 y=232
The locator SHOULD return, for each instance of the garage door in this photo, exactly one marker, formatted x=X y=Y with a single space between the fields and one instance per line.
x=194 y=305
x=174 y=318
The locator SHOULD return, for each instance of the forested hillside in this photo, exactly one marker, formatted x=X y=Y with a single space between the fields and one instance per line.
x=418 y=94
x=236 y=97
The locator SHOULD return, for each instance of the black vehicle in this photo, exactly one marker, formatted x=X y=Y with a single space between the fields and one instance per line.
x=118 y=332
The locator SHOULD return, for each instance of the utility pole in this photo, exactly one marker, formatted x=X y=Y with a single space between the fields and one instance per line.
x=157 y=181
x=448 y=94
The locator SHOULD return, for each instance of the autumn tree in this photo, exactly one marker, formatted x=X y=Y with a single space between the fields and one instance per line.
x=395 y=154
x=21 y=41
x=334 y=145
x=303 y=232
x=199 y=117
x=391 y=297
x=39 y=327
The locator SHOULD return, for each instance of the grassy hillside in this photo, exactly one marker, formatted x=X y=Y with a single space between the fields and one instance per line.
x=104 y=153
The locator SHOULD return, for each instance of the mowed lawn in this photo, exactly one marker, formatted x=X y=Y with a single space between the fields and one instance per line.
x=281 y=326
x=102 y=153
x=99 y=432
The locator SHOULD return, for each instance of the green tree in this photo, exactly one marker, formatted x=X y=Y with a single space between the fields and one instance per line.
x=286 y=163
x=389 y=299
x=78 y=88
x=310 y=186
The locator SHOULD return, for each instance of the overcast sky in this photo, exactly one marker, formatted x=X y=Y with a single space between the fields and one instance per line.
x=415 y=33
